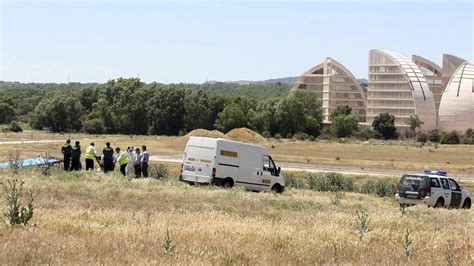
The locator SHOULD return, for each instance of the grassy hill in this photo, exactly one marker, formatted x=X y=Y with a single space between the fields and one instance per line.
x=91 y=218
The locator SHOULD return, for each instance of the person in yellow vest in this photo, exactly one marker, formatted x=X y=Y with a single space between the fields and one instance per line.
x=91 y=153
x=122 y=160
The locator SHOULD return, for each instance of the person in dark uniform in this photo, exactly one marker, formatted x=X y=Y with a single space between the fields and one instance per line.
x=108 y=154
x=144 y=160
x=66 y=150
x=76 y=157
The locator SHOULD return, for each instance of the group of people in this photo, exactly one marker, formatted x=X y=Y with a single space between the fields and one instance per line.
x=132 y=161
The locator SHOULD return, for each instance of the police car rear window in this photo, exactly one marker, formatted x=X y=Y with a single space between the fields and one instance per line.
x=408 y=180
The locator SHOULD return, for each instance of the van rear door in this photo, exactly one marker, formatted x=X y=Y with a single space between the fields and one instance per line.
x=199 y=159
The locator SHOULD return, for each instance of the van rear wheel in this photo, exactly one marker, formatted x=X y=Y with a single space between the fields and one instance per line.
x=228 y=183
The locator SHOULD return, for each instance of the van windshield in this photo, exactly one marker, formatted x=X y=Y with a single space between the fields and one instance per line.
x=418 y=181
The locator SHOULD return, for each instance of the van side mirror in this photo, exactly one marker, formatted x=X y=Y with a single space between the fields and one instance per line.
x=279 y=170
x=461 y=188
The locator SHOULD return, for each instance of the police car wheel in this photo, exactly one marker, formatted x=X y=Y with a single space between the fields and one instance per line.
x=467 y=204
x=439 y=203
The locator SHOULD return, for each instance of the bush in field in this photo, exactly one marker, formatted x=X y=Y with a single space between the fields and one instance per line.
x=331 y=182
x=15 y=214
x=422 y=137
x=15 y=161
x=14 y=127
x=434 y=136
x=450 y=138
x=301 y=136
x=293 y=181
x=159 y=172
x=366 y=134
x=468 y=137
x=93 y=126
x=380 y=187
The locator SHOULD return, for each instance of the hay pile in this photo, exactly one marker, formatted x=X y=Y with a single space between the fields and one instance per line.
x=202 y=133
x=245 y=135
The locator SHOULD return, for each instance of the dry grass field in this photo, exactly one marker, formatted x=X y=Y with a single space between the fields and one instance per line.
x=92 y=218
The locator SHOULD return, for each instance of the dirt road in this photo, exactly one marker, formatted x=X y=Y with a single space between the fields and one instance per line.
x=318 y=168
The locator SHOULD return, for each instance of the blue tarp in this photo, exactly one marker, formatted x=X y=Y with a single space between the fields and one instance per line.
x=33 y=162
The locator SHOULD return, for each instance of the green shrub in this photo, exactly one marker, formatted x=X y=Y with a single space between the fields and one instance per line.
x=293 y=181
x=266 y=134
x=278 y=136
x=468 y=137
x=380 y=187
x=159 y=172
x=450 y=138
x=15 y=214
x=14 y=127
x=93 y=126
x=331 y=182
x=300 y=136
x=366 y=134
x=422 y=137
x=434 y=136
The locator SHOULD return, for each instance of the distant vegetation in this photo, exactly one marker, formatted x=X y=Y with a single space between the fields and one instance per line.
x=129 y=106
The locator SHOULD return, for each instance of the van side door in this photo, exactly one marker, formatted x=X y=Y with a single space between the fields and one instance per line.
x=250 y=168
x=456 y=194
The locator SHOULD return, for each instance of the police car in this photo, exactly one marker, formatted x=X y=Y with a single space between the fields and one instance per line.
x=433 y=188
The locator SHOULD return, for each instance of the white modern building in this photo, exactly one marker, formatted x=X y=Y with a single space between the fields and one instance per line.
x=398 y=86
x=456 y=111
x=333 y=85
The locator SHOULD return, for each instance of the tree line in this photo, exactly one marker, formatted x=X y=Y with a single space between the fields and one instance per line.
x=128 y=106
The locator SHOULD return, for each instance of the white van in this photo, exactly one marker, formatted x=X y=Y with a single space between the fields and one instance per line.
x=230 y=163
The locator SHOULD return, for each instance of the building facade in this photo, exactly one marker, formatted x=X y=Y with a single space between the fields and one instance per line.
x=333 y=85
x=398 y=86
x=434 y=77
x=456 y=110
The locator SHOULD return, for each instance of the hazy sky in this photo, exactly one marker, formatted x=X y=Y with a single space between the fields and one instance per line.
x=187 y=41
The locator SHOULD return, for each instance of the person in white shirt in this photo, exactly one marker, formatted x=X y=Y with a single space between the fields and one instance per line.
x=138 y=166
x=130 y=170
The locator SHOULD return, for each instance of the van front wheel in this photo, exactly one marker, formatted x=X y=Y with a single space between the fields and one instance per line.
x=277 y=188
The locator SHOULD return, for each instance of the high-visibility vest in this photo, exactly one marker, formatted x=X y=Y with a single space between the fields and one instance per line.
x=123 y=158
x=90 y=152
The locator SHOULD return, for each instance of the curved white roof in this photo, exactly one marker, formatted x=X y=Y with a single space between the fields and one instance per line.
x=456 y=111
x=422 y=96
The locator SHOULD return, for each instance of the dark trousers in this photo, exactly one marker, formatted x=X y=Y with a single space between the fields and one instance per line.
x=89 y=164
x=145 y=169
x=75 y=164
x=67 y=162
x=122 y=168
x=138 y=170
x=108 y=166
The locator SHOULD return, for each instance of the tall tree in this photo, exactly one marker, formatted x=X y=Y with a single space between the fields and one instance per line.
x=384 y=123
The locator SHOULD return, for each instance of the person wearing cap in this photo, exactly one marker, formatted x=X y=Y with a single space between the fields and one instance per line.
x=66 y=150
x=108 y=158
x=76 y=157
x=122 y=160
x=144 y=161
x=91 y=153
